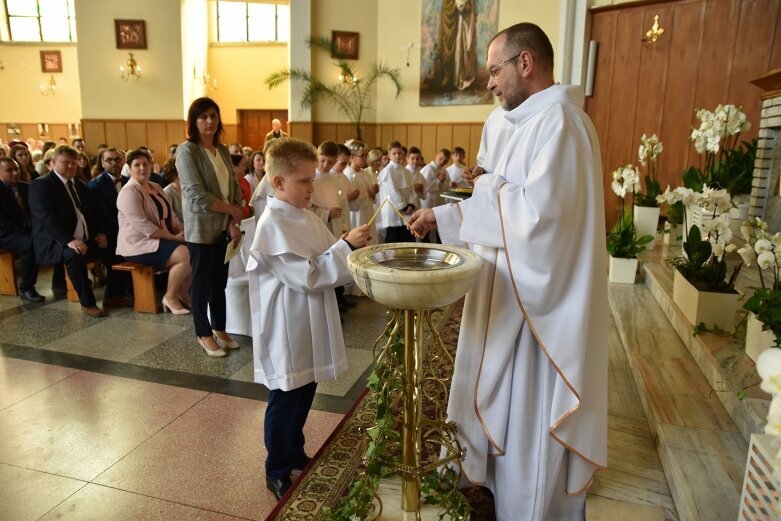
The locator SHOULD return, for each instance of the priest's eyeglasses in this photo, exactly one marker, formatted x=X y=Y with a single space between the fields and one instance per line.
x=494 y=71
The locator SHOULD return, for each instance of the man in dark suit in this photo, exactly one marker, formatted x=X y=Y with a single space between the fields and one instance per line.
x=105 y=188
x=66 y=227
x=15 y=227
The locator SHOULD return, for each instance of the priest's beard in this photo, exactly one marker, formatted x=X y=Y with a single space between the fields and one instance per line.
x=512 y=98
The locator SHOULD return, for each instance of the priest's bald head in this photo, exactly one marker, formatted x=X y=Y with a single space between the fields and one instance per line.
x=520 y=63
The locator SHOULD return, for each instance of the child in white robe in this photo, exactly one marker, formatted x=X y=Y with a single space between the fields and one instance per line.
x=456 y=171
x=294 y=267
x=395 y=188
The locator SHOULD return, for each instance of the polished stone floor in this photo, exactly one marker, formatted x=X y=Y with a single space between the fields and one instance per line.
x=123 y=418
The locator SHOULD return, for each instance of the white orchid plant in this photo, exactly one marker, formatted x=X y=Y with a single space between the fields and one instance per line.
x=723 y=161
x=764 y=250
x=769 y=369
x=623 y=242
x=650 y=148
x=705 y=244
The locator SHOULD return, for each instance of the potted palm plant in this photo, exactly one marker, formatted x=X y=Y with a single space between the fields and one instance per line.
x=623 y=243
x=351 y=93
x=764 y=322
x=646 y=205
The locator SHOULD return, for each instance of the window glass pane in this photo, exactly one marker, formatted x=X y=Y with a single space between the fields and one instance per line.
x=261 y=23
x=24 y=29
x=55 y=29
x=22 y=7
x=232 y=21
x=54 y=8
x=283 y=23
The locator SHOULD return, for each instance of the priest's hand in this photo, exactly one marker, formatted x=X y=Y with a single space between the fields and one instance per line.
x=422 y=221
x=471 y=177
x=358 y=236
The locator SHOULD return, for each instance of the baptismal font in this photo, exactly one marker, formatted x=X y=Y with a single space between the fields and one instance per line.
x=414 y=280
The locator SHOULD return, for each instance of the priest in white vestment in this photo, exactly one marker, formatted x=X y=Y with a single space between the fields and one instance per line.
x=297 y=341
x=529 y=391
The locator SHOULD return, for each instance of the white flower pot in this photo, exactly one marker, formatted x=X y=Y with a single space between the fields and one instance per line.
x=756 y=339
x=646 y=221
x=711 y=308
x=672 y=234
x=622 y=271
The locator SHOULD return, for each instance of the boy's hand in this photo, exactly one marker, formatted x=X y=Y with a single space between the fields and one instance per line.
x=358 y=236
x=335 y=212
x=352 y=196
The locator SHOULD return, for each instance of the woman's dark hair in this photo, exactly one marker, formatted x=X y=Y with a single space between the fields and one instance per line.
x=137 y=153
x=169 y=171
x=197 y=108
x=251 y=166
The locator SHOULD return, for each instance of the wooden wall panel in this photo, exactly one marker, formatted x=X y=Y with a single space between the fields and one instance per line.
x=136 y=134
x=654 y=58
x=444 y=134
x=94 y=133
x=157 y=141
x=475 y=135
x=603 y=31
x=116 y=134
x=30 y=130
x=681 y=86
x=428 y=141
x=461 y=139
x=386 y=135
x=415 y=137
x=176 y=132
x=301 y=130
x=231 y=133
x=400 y=134
x=717 y=52
x=752 y=55
x=706 y=57
x=4 y=133
x=58 y=130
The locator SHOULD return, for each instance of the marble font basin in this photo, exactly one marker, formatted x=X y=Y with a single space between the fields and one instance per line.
x=407 y=275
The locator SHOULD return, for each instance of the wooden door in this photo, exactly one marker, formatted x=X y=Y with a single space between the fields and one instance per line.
x=708 y=54
x=255 y=124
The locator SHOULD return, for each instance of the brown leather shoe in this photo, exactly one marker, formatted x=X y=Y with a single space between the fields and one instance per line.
x=93 y=311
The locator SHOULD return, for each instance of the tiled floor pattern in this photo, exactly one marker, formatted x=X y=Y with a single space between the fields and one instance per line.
x=81 y=445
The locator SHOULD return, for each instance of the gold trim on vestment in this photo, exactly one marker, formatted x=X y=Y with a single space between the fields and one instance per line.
x=480 y=369
x=542 y=346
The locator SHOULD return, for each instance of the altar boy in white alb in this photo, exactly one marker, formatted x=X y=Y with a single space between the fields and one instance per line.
x=294 y=267
x=529 y=391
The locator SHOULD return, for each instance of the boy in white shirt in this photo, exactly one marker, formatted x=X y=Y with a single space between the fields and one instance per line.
x=294 y=267
x=325 y=200
x=456 y=171
x=395 y=188
x=415 y=179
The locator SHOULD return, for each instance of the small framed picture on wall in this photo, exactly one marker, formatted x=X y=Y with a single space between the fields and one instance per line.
x=344 y=44
x=51 y=61
x=131 y=34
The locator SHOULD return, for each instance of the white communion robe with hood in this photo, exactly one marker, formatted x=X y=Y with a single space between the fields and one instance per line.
x=529 y=391
x=294 y=267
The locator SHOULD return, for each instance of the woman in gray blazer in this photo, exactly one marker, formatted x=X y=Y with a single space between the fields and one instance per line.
x=211 y=207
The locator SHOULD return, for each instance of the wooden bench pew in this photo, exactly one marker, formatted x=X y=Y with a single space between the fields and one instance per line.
x=144 y=299
x=7 y=274
x=72 y=295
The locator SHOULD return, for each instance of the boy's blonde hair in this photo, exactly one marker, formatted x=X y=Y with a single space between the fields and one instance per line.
x=284 y=155
x=328 y=148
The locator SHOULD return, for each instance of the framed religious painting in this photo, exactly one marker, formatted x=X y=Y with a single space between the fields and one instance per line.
x=51 y=61
x=345 y=45
x=453 y=46
x=130 y=34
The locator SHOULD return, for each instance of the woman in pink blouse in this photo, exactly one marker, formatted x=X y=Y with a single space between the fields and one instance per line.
x=150 y=232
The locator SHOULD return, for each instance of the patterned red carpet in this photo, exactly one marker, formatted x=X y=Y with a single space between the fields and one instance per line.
x=333 y=468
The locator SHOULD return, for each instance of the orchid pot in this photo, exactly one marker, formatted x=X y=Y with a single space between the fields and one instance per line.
x=712 y=308
x=622 y=271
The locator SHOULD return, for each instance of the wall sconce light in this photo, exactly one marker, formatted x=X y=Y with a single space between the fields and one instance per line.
x=131 y=69
x=346 y=77
x=51 y=89
x=205 y=79
x=654 y=33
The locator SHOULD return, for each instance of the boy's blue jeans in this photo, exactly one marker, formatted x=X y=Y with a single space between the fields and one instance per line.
x=283 y=429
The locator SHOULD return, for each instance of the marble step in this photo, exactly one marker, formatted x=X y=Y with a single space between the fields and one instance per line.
x=701 y=449
x=722 y=360
x=603 y=509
